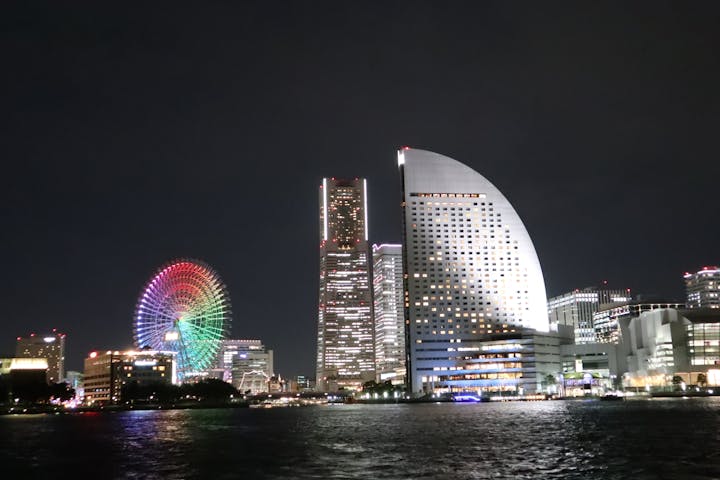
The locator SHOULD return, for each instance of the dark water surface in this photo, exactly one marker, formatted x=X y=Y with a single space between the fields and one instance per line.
x=640 y=439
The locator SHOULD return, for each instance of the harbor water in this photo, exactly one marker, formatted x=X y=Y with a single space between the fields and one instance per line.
x=639 y=439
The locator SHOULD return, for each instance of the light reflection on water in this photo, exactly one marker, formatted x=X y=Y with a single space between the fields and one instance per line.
x=615 y=440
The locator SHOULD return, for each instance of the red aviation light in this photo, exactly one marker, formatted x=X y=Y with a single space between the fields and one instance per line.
x=404 y=147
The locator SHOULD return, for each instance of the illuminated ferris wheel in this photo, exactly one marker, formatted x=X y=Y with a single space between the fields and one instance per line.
x=184 y=308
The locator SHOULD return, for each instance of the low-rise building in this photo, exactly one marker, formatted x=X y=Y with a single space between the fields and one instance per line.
x=107 y=372
x=657 y=348
x=515 y=363
x=252 y=368
x=611 y=318
x=23 y=379
x=602 y=361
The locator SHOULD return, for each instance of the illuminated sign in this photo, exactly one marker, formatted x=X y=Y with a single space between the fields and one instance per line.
x=145 y=363
x=49 y=339
x=28 y=364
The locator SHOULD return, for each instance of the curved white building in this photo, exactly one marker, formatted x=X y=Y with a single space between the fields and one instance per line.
x=472 y=276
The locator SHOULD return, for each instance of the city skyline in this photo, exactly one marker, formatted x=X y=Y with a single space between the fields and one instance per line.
x=123 y=153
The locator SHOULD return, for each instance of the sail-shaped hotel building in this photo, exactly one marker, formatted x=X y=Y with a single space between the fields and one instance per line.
x=475 y=303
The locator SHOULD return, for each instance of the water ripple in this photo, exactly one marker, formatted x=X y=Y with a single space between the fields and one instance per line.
x=549 y=440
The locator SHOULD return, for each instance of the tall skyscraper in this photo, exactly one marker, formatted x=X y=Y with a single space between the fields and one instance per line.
x=703 y=288
x=50 y=346
x=472 y=276
x=388 y=311
x=345 y=354
x=576 y=309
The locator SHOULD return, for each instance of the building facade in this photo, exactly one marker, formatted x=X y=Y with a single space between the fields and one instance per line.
x=388 y=312
x=612 y=319
x=345 y=349
x=50 y=346
x=24 y=379
x=703 y=288
x=230 y=349
x=471 y=273
x=106 y=373
x=575 y=309
x=656 y=347
x=252 y=367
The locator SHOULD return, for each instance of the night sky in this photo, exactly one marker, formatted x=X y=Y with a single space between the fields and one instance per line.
x=132 y=135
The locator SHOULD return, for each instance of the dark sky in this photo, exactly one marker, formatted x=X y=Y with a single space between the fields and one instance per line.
x=135 y=134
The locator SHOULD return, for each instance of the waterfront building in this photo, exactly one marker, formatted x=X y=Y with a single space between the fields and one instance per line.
x=603 y=362
x=656 y=345
x=25 y=378
x=388 y=313
x=576 y=309
x=252 y=367
x=472 y=276
x=345 y=350
x=703 y=334
x=230 y=349
x=516 y=363
x=303 y=383
x=50 y=346
x=703 y=288
x=106 y=373
x=611 y=319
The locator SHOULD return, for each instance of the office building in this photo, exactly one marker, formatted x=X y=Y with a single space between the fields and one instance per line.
x=656 y=347
x=24 y=379
x=703 y=334
x=251 y=367
x=575 y=309
x=106 y=373
x=612 y=319
x=229 y=350
x=345 y=350
x=50 y=346
x=303 y=383
x=388 y=313
x=472 y=276
x=703 y=288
